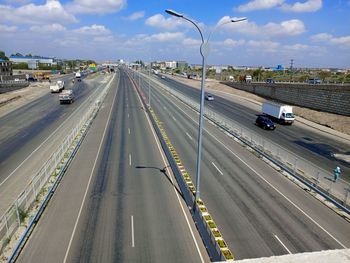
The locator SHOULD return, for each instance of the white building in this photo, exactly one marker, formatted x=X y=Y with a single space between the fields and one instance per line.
x=170 y=64
x=33 y=61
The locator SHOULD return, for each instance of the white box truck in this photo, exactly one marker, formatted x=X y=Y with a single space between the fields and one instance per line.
x=57 y=87
x=282 y=113
x=78 y=75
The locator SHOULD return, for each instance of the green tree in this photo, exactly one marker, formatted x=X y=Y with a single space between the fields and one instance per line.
x=323 y=75
x=20 y=66
x=3 y=56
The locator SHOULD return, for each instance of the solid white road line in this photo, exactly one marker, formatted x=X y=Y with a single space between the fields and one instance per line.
x=172 y=181
x=216 y=168
x=88 y=185
x=189 y=136
x=267 y=182
x=285 y=247
x=129 y=159
x=132 y=232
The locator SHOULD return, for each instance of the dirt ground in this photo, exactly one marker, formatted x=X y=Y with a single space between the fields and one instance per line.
x=334 y=121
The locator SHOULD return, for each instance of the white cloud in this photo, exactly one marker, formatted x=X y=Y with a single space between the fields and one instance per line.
x=7 y=29
x=169 y=23
x=166 y=36
x=259 y=4
x=290 y=27
x=343 y=41
x=48 y=28
x=94 y=30
x=307 y=6
x=265 y=45
x=285 y=28
x=136 y=16
x=50 y=12
x=321 y=37
x=233 y=43
x=192 y=42
x=96 y=6
x=296 y=47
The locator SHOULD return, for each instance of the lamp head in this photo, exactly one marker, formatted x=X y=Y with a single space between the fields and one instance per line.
x=173 y=13
x=238 y=19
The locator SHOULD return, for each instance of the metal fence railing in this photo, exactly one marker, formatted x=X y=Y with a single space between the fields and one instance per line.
x=15 y=214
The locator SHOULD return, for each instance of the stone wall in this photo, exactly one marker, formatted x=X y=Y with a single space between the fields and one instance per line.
x=328 y=98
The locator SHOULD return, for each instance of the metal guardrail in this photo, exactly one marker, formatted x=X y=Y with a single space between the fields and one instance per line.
x=50 y=173
x=304 y=171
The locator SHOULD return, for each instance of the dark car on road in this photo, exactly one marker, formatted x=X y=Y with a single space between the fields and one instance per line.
x=265 y=123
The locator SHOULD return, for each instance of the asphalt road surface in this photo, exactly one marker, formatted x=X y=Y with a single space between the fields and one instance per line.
x=118 y=201
x=259 y=212
x=303 y=141
x=30 y=134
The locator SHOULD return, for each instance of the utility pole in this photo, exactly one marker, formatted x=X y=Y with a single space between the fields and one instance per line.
x=291 y=69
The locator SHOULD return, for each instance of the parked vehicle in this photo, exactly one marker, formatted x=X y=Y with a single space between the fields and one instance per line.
x=57 y=87
x=67 y=96
x=314 y=81
x=209 y=97
x=282 y=113
x=265 y=123
x=245 y=78
x=270 y=80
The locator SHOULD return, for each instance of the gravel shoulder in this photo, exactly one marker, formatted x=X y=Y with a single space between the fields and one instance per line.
x=13 y=100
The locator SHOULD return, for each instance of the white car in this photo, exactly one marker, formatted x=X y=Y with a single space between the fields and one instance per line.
x=209 y=97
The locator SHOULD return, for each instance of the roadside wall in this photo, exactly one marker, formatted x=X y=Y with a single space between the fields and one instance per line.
x=328 y=98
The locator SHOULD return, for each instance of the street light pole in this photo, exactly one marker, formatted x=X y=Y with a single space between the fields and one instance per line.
x=204 y=51
x=149 y=85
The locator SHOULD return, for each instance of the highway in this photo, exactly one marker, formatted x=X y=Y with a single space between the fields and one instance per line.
x=259 y=212
x=305 y=142
x=118 y=201
x=29 y=134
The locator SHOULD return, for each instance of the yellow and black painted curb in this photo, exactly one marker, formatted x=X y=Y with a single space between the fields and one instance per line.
x=225 y=252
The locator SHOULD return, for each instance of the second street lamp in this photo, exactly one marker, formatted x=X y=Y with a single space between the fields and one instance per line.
x=204 y=51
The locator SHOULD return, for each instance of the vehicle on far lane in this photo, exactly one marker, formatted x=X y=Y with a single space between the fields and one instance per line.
x=265 y=123
x=270 y=80
x=67 y=96
x=280 y=113
x=57 y=87
x=209 y=97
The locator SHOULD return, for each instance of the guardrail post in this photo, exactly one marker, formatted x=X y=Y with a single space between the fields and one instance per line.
x=17 y=213
x=295 y=166
x=7 y=227
x=346 y=196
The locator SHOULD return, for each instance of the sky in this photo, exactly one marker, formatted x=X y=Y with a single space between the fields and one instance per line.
x=314 y=33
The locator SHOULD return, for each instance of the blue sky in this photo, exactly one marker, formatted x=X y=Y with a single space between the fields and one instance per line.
x=315 y=33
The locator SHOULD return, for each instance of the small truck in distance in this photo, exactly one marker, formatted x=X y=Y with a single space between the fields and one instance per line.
x=57 y=87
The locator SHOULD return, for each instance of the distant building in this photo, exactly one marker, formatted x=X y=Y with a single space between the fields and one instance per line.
x=170 y=64
x=181 y=65
x=279 y=68
x=33 y=61
x=5 y=68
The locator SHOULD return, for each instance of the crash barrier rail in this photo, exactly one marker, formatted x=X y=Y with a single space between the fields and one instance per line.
x=211 y=236
x=312 y=176
x=46 y=180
